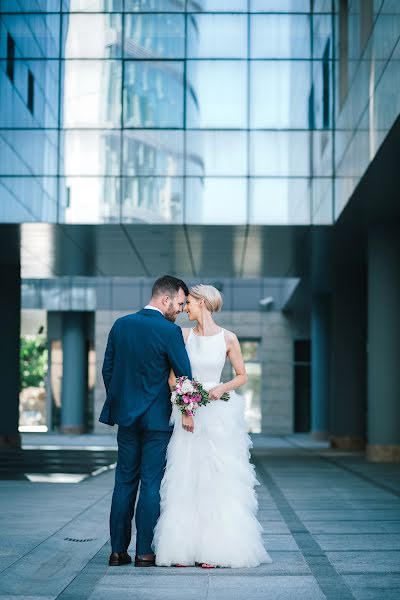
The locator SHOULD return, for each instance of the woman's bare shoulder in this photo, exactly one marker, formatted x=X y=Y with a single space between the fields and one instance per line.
x=230 y=337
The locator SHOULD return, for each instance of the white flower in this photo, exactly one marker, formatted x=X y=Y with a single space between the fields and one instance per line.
x=173 y=397
x=187 y=387
x=190 y=406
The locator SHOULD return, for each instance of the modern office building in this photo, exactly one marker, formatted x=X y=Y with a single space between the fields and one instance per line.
x=252 y=144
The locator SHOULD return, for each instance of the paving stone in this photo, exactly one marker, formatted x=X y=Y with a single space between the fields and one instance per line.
x=363 y=541
x=366 y=562
x=332 y=529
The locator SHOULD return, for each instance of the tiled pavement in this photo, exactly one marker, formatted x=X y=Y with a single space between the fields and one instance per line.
x=331 y=521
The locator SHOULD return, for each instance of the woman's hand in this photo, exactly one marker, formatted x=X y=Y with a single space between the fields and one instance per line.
x=188 y=423
x=216 y=392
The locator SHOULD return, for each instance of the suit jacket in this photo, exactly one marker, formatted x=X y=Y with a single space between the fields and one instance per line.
x=141 y=350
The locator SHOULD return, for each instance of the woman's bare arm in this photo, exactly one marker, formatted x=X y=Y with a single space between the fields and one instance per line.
x=234 y=354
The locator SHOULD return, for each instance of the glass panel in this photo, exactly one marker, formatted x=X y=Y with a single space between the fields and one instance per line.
x=92 y=93
x=279 y=201
x=322 y=32
x=217 y=36
x=28 y=199
x=154 y=36
x=92 y=152
x=92 y=36
x=325 y=6
x=322 y=201
x=152 y=199
x=153 y=152
x=155 y=5
x=33 y=368
x=35 y=36
x=28 y=152
x=216 y=201
x=252 y=395
x=153 y=94
x=217 y=5
x=279 y=94
x=92 y=5
x=14 y=111
x=250 y=349
x=217 y=94
x=281 y=6
x=216 y=153
x=280 y=36
x=91 y=200
x=279 y=153
x=30 y=6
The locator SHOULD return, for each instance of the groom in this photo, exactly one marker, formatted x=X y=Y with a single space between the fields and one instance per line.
x=141 y=350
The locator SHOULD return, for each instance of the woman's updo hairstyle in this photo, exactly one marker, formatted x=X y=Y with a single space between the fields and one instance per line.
x=211 y=296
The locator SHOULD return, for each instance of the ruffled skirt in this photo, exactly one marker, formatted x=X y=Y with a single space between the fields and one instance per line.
x=208 y=501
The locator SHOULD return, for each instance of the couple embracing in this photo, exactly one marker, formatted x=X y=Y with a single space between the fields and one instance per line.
x=196 y=503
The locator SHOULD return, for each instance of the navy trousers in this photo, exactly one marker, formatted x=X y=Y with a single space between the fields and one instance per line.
x=141 y=458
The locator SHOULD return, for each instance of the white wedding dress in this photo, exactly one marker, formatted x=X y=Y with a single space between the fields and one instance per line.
x=208 y=501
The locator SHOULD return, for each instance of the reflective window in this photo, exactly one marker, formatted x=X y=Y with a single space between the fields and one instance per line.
x=14 y=96
x=28 y=199
x=280 y=6
x=155 y=5
x=92 y=36
x=92 y=5
x=153 y=152
x=92 y=152
x=152 y=199
x=279 y=201
x=154 y=36
x=280 y=36
x=90 y=200
x=216 y=95
x=31 y=6
x=216 y=153
x=217 y=5
x=28 y=152
x=153 y=94
x=279 y=153
x=217 y=36
x=216 y=200
x=92 y=95
x=43 y=44
x=279 y=94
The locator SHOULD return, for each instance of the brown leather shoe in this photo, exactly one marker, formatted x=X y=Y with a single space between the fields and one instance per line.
x=145 y=562
x=119 y=558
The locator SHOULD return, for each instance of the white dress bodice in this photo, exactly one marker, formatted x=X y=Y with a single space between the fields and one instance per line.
x=207 y=355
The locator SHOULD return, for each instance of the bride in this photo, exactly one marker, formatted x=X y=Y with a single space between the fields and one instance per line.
x=208 y=502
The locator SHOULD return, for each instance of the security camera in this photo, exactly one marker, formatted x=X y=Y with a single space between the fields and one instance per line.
x=266 y=302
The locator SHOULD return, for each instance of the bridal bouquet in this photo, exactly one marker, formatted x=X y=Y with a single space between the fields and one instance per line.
x=189 y=394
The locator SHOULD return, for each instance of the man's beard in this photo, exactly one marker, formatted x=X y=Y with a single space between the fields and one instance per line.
x=170 y=314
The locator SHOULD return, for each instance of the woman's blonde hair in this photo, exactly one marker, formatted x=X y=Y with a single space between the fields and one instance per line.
x=211 y=296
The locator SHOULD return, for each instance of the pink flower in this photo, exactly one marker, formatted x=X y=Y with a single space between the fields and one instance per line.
x=186 y=399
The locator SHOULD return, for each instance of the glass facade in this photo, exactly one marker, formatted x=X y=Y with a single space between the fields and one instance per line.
x=192 y=111
x=161 y=111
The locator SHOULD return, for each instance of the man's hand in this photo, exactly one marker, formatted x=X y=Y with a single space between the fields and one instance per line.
x=216 y=392
x=188 y=423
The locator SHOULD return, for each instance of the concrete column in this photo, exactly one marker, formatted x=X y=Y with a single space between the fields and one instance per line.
x=347 y=415
x=10 y=312
x=74 y=380
x=384 y=344
x=320 y=343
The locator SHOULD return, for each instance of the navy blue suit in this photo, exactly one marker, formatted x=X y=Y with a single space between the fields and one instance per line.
x=141 y=350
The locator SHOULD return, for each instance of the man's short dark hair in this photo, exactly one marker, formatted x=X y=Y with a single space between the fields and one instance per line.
x=169 y=286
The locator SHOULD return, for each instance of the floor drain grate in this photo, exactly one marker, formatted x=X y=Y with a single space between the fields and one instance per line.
x=68 y=539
